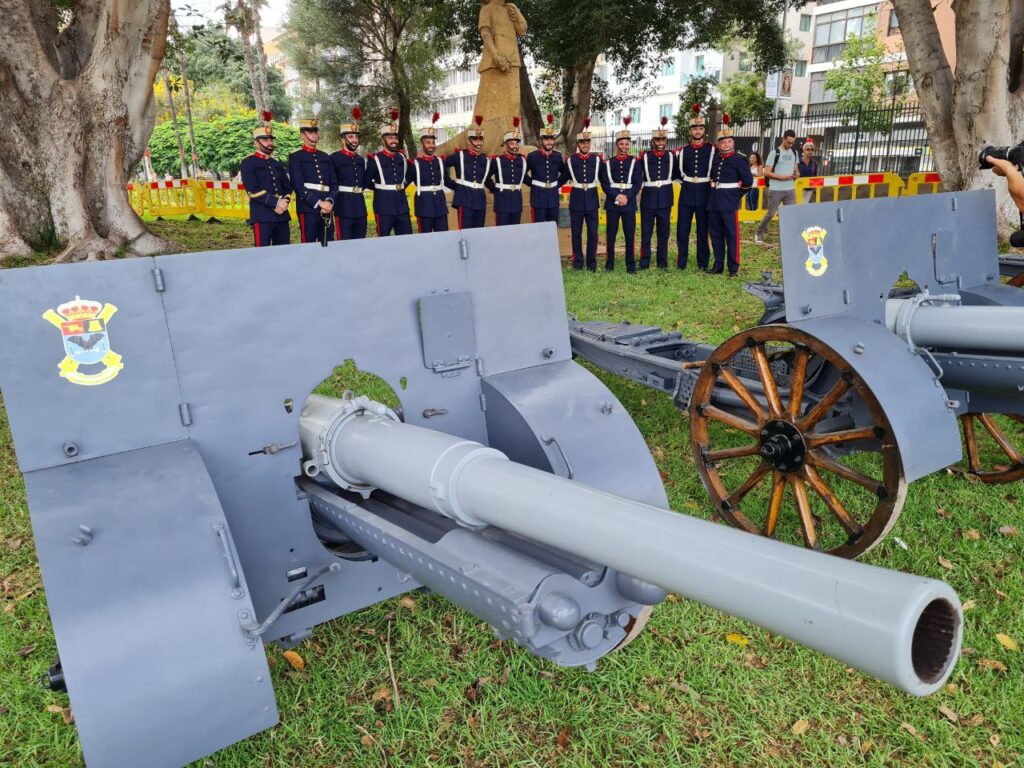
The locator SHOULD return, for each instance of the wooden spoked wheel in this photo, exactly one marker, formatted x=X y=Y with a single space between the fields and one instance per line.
x=635 y=627
x=798 y=449
x=992 y=446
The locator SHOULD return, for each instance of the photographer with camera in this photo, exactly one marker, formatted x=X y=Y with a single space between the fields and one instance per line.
x=1014 y=178
x=1007 y=162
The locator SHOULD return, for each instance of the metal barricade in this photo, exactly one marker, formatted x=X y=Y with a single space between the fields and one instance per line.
x=859 y=186
x=923 y=184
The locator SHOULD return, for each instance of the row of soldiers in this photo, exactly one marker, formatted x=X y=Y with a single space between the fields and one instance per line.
x=330 y=203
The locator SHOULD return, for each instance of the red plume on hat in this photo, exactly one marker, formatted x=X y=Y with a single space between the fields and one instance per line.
x=479 y=119
x=395 y=114
x=551 y=119
x=267 y=115
x=726 y=119
x=586 y=123
x=696 y=107
x=627 y=120
x=515 y=122
x=664 y=120
x=357 y=114
x=435 y=117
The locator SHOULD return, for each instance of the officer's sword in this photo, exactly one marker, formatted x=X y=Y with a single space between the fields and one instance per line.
x=328 y=220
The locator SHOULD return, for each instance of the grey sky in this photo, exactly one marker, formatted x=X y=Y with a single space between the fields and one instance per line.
x=273 y=14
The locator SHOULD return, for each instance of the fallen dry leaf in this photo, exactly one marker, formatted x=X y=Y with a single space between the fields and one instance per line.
x=294 y=659
x=994 y=739
x=969 y=604
x=992 y=664
x=25 y=650
x=973 y=534
x=4 y=710
x=1008 y=530
x=430 y=682
x=9 y=608
x=866 y=746
x=911 y=730
x=951 y=688
x=562 y=740
x=800 y=727
x=1006 y=641
x=56 y=708
x=408 y=602
x=945 y=563
x=975 y=719
x=672 y=597
x=381 y=694
x=15 y=544
x=67 y=715
x=952 y=716
x=1002 y=594
x=737 y=639
x=366 y=740
x=942 y=513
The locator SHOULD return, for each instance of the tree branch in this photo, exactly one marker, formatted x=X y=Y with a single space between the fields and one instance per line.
x=29 y=64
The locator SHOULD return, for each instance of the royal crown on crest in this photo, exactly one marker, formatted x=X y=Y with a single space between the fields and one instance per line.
x=79 y=309
x=815 y=236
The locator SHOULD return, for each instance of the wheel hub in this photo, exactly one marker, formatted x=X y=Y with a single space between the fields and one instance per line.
x=782 y=446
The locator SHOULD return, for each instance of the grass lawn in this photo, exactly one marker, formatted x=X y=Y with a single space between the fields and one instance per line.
x=697 y=688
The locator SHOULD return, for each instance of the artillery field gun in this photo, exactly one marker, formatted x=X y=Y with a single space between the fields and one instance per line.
x=185 y=487
x=809 y=427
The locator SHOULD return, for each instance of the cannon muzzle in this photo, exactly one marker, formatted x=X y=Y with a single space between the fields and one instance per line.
x=953 y=327
x=900 y=628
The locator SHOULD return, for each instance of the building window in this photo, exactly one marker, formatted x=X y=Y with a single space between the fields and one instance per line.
x=700 y=65
x=832 y=30
x=634 y=114
x=797 y=110
x=801 y=69
x=668 y=69
x=819 y=94
x=745 y=63
x=665 y=110
x=805 y=22
x=894 y=24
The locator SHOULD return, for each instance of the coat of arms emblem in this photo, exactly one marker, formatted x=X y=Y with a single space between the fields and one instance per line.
x=88 y=359
x=816 y=262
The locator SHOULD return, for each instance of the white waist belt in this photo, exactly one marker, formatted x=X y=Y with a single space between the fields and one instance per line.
x=438 y=188
x=697 y=179
x=390 y=187
x=661 y=183
x=727 y=185
x=317 y=187
x=621 y=186
x=545 y=184
x=354 y=190
x=577 y=185
x=508 y=187
x=470 y=184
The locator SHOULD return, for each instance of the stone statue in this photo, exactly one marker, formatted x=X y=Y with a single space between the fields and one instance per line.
x=498 y=98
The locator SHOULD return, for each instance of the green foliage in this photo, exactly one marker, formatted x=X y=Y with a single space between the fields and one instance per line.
x=700 y=90
x=217 y=69
x=220 y=144
x=743 y=98
x=859 y=80
x=379 y=54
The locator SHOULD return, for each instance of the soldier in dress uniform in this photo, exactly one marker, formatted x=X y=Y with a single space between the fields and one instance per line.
x=506 y=179
x=350 y=171
x=470 y=167
x=314 y=183
x=427 y=173
x=621 y=179
x=580 y=170
x=695 y=173
x=543 y=167
x=657 y=198
x=269 y=189
x=730 y=178
x=387 y=172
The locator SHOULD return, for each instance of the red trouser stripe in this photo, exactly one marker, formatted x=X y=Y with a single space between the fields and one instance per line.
x=533 y=215
x=302 y=227
x=256 y=233
x=337 y=228
x=419 y=224
x=377 y=221
x=460 y=218
x=737 y=237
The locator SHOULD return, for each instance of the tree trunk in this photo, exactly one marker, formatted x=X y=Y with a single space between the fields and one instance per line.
x=578 y=87
x=174 y=125
x=239 y=18
x=260 y=53
x=79 y=109
x=188 y=113
x=983 y=102
x=533 y=121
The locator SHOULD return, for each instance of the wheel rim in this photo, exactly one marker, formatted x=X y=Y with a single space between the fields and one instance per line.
x=990 y=446
x=781 y=465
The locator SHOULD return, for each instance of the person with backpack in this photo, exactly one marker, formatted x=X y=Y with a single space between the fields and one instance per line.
x=808 y=167
x=780 y=173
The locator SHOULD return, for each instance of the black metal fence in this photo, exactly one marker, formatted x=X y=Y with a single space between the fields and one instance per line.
x=866 y=141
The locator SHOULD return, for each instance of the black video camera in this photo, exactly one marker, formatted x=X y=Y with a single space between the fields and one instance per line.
x=1014 y=154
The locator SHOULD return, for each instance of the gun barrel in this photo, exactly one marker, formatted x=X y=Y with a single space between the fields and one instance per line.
x=900 y=628
x=947 y=326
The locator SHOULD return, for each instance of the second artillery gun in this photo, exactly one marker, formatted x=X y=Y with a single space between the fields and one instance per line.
x=187 y=488
x=880 y=343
